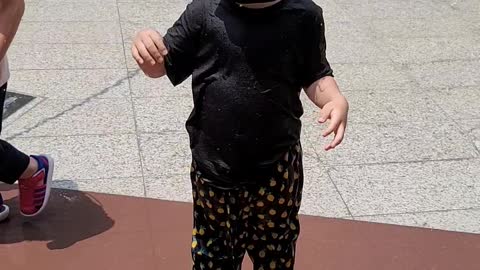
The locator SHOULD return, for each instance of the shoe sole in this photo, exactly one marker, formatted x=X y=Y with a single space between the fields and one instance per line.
x=4 y=214
x=51 y=165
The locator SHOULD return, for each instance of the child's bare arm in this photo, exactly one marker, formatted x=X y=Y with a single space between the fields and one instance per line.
x=149 y=51
x=326 y=95
x=11 y=12
x=181 y=42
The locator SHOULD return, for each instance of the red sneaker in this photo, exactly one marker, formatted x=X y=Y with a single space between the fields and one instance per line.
x=35 y=191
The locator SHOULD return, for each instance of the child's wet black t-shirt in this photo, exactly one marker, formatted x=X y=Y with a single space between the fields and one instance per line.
x=248 y=67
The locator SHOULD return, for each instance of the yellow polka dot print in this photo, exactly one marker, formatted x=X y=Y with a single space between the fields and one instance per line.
x=209 y=205
x=273 y=182
x=260 y=218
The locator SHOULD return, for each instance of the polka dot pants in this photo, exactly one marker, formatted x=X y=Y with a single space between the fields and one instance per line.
x=261 y=220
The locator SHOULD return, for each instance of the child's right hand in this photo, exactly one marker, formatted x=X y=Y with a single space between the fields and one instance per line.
x=148 y=48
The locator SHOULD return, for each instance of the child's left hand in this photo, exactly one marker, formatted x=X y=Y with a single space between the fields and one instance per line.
x=337 y=111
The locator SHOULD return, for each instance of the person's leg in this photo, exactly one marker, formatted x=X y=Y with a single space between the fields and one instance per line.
x=13 y=163
x=34 y=173
x=218 y=240
x=3 y=94
x=274 y=226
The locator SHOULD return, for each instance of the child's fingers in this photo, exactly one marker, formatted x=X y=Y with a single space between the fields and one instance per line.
x=136 y=55
x=331 y=128
x=157 y=39
x=144 y=53
x=328 y=147
x=325 y=114
x=152 y=49
x=339 y=135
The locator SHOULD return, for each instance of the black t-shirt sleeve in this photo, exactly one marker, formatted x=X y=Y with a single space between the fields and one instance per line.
x=316 y=63
x=182 y=41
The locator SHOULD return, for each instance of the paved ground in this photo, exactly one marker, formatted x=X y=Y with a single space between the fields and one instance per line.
x=409 y=69
x=97 y=231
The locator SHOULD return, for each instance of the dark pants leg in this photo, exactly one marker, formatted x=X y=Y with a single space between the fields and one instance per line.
x=12 y=162
x=217 y=231
x=274 y=225
x=261 y=220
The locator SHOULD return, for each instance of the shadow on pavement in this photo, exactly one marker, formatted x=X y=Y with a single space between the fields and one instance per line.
x=71 y=217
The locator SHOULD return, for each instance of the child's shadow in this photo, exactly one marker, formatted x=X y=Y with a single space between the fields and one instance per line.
x=71 y=217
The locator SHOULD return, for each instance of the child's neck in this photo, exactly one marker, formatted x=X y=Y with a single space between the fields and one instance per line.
x=260 y=5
